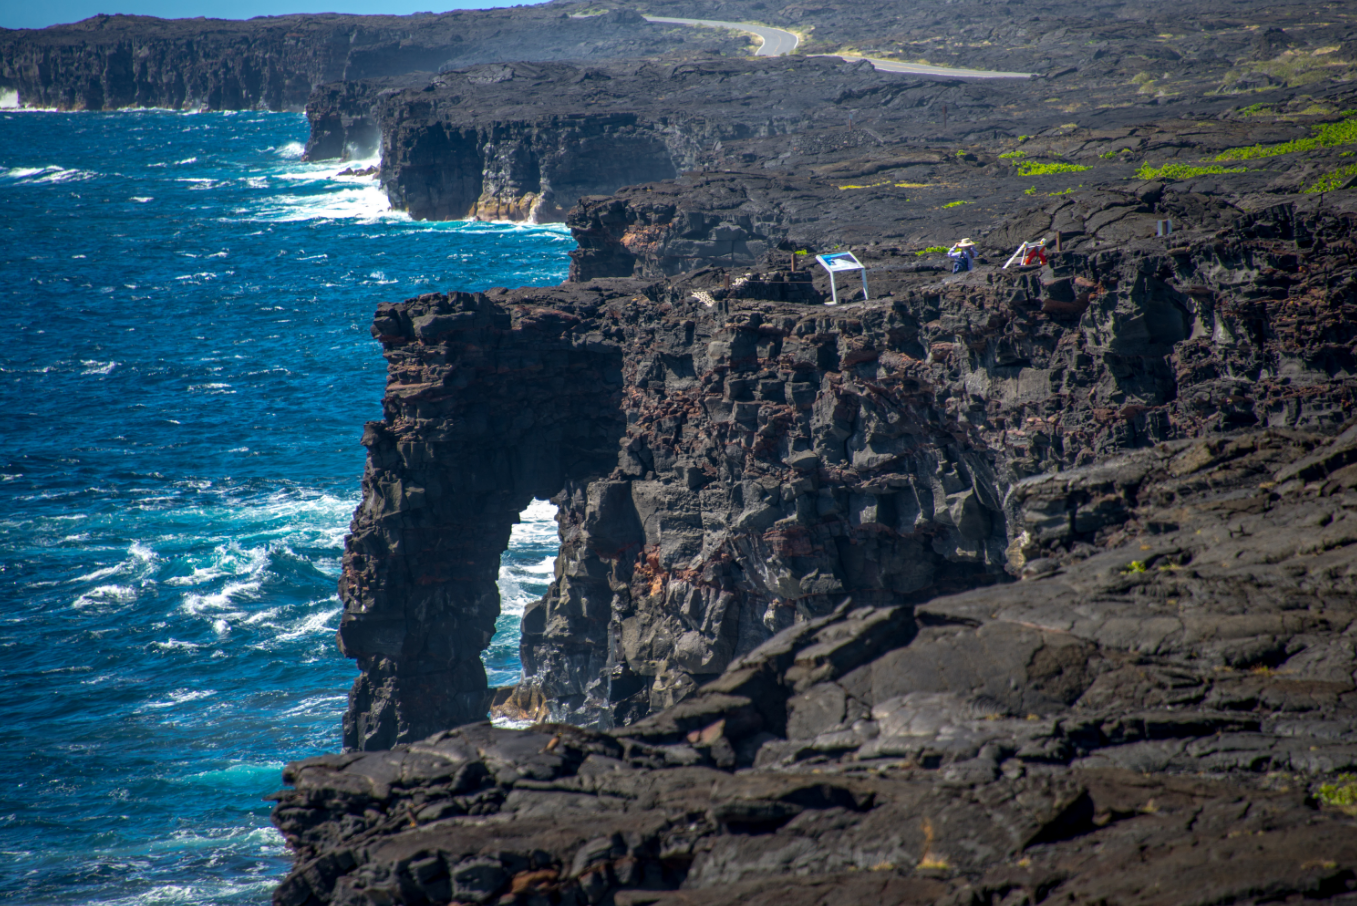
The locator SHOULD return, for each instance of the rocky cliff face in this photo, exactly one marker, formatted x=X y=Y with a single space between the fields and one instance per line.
x=726 y=470
x=526 y=141
x=1166 y=720
x=272 y=63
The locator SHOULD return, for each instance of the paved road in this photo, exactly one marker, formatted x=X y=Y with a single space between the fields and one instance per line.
x=777 y=41
x=926 y=69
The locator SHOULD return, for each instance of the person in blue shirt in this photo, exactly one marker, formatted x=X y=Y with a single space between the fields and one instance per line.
x=964 y=254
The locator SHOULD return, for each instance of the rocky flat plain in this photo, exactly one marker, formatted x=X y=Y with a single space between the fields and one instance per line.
x=1012 y=586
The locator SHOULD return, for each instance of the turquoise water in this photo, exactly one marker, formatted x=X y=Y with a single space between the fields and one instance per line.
x=185 y=372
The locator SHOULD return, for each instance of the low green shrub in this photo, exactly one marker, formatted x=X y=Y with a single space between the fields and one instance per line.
x=1036 y=168
x=932 y=249
x=1012 y=155
x=1342 y=795
x=1183 y=171
x=957 y=204
x=1325 y=135
x=1330 y=182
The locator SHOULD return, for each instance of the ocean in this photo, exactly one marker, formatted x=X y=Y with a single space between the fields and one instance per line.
x=185 y=373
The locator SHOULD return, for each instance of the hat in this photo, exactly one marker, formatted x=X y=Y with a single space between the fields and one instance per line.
x=965 y=243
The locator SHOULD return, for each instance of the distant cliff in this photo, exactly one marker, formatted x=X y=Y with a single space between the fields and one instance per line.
x=525 y=141
x=272 y=63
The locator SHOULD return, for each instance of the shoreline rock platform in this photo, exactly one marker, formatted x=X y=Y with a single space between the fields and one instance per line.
x=1003 y=587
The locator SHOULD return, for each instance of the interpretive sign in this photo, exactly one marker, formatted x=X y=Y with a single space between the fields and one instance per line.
x=839 y=263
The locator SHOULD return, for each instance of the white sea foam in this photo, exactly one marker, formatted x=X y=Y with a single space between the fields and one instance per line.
x=100 y=573
x=365 y=203
x=178 y=697
x=51 y=175
x=142 y=199
x=291 y=149
x=92 y=367
x=9 y=99
x=200 y=605
x=106 y=597
x=319 y=704
x=545 y=568
x=174 y=645
x=322 y=622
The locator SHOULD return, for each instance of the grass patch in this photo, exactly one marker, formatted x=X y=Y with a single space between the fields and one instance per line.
x=1036 y=168
x=1135 y=566
x=1012 y=155
x=1183 y=171
x=1330 y=182
x=1340 y=795
x=932 y=249
x=1031 y=191
x=957 y=204
x=1327 y=135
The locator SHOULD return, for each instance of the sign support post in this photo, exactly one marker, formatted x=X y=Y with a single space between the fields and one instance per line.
x=839 y=263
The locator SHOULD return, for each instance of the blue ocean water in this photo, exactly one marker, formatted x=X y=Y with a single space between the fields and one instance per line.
x=185 y=371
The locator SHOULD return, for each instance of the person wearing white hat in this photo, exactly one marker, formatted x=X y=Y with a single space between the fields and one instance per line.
x=964 y=253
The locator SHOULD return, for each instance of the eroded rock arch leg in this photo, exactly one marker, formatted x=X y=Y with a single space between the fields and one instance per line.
x=484 y=411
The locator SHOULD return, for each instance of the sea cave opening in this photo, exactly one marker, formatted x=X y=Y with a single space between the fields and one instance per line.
x=526 y=569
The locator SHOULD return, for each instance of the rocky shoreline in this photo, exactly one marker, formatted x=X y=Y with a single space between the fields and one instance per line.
x=1004 y=587
x=997 y=588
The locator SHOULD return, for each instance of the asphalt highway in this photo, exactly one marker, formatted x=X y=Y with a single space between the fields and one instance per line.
x=777 y=42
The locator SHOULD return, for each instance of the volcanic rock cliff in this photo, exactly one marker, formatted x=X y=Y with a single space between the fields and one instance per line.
x=526 y=141
x=785 y=495
x=726 y=469
x=991 y=588
x=272 y=63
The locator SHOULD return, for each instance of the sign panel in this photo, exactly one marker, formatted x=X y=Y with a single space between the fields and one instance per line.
x=838 y=262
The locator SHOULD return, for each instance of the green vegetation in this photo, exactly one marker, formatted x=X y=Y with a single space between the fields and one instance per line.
x=1012 y=155
x=957 y=204
x=1135 y=566
x=1065 y=192
x=1114 y=154
x=1183 y=171
x=1327 y=135
x=1256 y=110
x=930 y=250
x=1330 y=182
x=1036 y=168
x=1341 y=795
x=1031 y=191
x=1023 y=138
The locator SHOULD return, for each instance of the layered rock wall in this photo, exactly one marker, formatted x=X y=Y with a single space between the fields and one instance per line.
x=483 y=412
x=272 y=63
x=526 y=141
x=753 y=463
